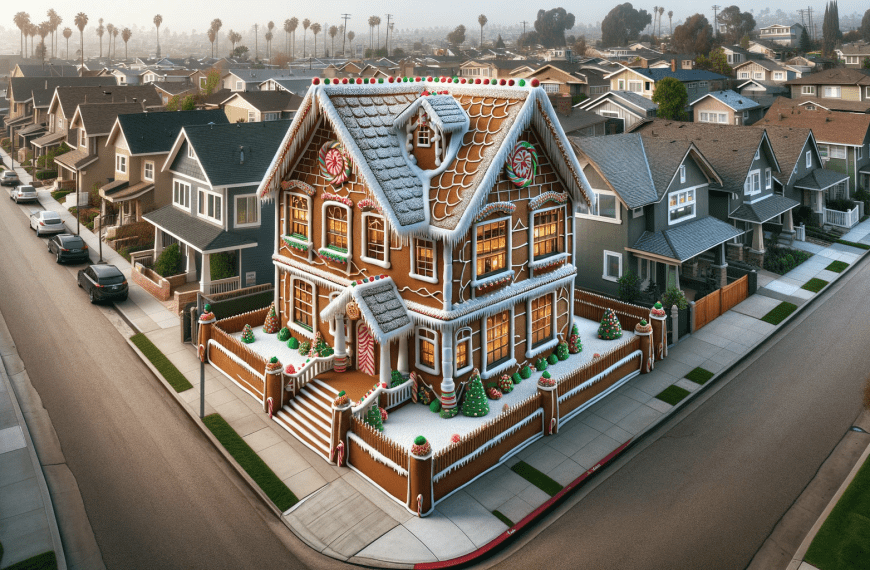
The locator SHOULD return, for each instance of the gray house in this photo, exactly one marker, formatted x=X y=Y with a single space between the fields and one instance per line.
x=650 y=213
x=215 y=171
x=623 y=110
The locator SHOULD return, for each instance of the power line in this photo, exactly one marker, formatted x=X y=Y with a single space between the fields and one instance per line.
x=387 y=40
x=344 y=17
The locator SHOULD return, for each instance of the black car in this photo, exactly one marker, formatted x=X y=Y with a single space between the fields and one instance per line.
x=103 y=283
x=68 y=247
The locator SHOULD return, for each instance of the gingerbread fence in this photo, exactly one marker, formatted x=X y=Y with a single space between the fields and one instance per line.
x=232 y=357
x=591 y=306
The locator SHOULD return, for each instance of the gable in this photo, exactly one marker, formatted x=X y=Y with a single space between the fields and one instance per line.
x=183 y=164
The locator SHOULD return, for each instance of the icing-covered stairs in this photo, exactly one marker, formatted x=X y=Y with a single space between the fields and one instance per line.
x=308 y=416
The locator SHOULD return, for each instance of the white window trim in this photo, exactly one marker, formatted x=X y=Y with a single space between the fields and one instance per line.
x=809 y=159
x=510 y=362
x=240 y=85
x=252 y=116
x=808 y=90
x=747 y=185
x=604 y=274
x=838 y=148
x=757 y=153
x=459 y=339
x=185 y=188
x=434 y=278
x=679 y=206
x=323 y=227
x=682 y=174
x=365 y=241
x=121 y=160
x=83 y=139
x=292 y=320
x=768 y=179
x=236 y=210
x=476 y=280
x=597 y=218
x=287 y=218
x=145 y=170
x=547 y=345
x=859 y=152
x=190 y=153
x=833 y=88
x=565 y=245
x=201 y=204
x=435 y=345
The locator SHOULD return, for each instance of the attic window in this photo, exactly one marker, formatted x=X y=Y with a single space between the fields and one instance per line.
x=190 y=151
x=424 y=136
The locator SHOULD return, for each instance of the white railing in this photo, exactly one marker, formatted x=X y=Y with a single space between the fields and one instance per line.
x=842 y=219
x=399 y=394
x=295 y=382
x=364 y=406
x=224 y=285
x=800 y=233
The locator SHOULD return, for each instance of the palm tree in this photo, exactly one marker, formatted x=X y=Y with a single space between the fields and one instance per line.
x=53 y=21
x=315 y=29
x=211 y=37
x=109 y=29
x=294 y=23
x=350 y=37
x=378 y=24
x=305 y=23
x=654 y=15
x=32 y=31
x=125 y=35
x=231 y=35
x=269 y=35
x=81 y=20
x=42 y=31
x=115 y=33
x=101 y=29
x=22 y=21
x=671 y=21
x=333 y=31
x=482 y=20
x=67 y=33
x=661 y=12
x=216 y=26
x=158 y=19
x=372 y=25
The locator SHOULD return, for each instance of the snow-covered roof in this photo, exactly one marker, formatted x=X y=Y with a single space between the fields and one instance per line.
x=443 y=110
x=382 y=307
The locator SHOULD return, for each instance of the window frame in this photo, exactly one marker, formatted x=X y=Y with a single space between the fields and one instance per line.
x=385 y=263
x=832 y=88
x=809 y=159
x=323 y=227
x=181 y=189
x=544 y=343
x=202 y=205
x=236 y=223
x=288 y=217
x=190 y=153
x=240 y=85
x=460 y=338
x=808 y=90
x=413 y=272
x=418 y=138
x=83 y=139
x=679 y=206
x=508 y=245
x=682 y=174
x=604 y=274
x=120 y=163
x=837 y=148
x=594 y=208
x=768 y=179
x=145 y=165
x=489 y=370
x=748 y=184
x=561 y=239
x=252 y=116
x=292 y=321
x=418 y=350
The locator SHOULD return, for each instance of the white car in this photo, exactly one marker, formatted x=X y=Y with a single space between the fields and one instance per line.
x=23 y=194
x=9 y=178
x=46 y=222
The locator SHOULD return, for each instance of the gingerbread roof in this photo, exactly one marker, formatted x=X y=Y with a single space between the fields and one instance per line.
x=486 y=123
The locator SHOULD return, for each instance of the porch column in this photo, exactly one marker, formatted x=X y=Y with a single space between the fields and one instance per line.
x=788 y=223
x=448 y=388
x=720 y=268
x=402 y=364
x=340 y=360
x=385 y=371
x=158 y=242
x=757 y=238
x=205 y=280
x=190 y=270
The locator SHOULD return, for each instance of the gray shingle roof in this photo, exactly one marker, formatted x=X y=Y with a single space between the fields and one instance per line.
x=630 y=97
x=98 y=118
x=664 y=158
x=385 y=304
x=623 y=162
x=760 y=212
x=148 y=133
x=734 y=100
x=683 y=75
x=268 y=101
x=298 y=86
x=42 y=88
x=71 y=97
x=821 y=179
x=202 y=235
x=687 y=240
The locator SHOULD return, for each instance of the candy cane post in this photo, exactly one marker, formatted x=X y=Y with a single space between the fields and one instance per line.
x=419 y=505
x=270 y=402
x=552 y=425
x=338 y=453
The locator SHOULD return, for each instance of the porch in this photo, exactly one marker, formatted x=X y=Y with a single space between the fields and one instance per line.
x=128 y=199
x=823 y=188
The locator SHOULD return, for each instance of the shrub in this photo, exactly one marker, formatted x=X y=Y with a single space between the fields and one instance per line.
x=293 y=343
x=552 y=359
x=516 y=378
x=781 y=260
x=223 y=265
x=840 y=204
x=305 y=348
x=169 y=261
x=674 y=296
x=525 y=373
x=629 y=287
x=435 y=406
x=449 y=413
x=540 y=365
x=46 y=174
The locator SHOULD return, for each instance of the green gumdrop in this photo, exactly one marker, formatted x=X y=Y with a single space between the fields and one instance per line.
x=419 y=440
x=435 y=406
x=516 y=378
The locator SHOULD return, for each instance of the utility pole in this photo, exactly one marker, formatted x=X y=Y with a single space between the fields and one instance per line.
x=810 y=22
x=801 y=12
x=387 y=39
x=256 y=50
x=716 y=20
x=524 y=32
x=344 y=17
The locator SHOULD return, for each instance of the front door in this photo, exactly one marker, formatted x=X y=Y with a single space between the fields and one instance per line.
x=365 y=349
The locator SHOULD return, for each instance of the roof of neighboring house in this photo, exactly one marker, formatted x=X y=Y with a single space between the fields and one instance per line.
x=827 y=126
x=382 y=307
x=829 y=104
x=174 y=87
x=76 y=159
x=681 y=74
x=42 y=88
x=611 y=155
x=687 y=240
x=202 y=235
x=120 y=190
x=767 y=64
x=30 y=129
x=579 y=119
x=734 y=100
x=267 y=101
x=764 y=210
x=770 y=87
x=151 y=133
x=219 y=149
x=821 y=179
x=835 y=76
x=638 y=101
x=49 y=139
x=98 y=118
x=70 y=97
x=260 y=75
x=740 y=50
x=297 y=86
x=855 y=49
x=52 y=70
x=788 y=144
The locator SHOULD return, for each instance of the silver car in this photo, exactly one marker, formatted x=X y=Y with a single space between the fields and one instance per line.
x=23 y=194
x=46 y=222
x=9 y=178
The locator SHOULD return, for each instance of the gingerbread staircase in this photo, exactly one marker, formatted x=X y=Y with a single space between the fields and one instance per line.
x=308 y=416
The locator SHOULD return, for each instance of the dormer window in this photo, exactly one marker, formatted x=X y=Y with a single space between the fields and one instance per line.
x=424 y=136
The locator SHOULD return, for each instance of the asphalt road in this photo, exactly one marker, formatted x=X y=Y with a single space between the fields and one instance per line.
x=708 y=491
x=157 y=493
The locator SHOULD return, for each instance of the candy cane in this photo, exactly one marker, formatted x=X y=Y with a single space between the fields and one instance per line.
x=420 y=505
x=340 y=450
x=201 y=353
x=552 y=425
x=269 y=402
x=650 y=362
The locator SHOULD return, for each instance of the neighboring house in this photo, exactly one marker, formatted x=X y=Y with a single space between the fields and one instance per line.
x=763 y=90
x=650 y=213
x=166 y=75
x=764 y=70
x=624 y=110
x=49 y=70
x=297 y=86
x=255 y=106
x=780 y=34
x=250 y=79
x=854 y=54
x=843 y=138
x=491 y=68
x=675 y=61
x=127 y=76
x=642 y=81
x=726 y=107
x=836 y=89
x=169 y=89
x=144 y=140
x=579 y=123
x=561 y=77
x=215 y=170
x=745 y=161
x=765 y=50
x=735 y=55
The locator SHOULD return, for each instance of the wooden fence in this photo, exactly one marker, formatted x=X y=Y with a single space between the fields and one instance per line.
x=719 y=301
x=238 y=348
x=597 y=366
x=379 y=442
x=237 y=323
x=591 y=306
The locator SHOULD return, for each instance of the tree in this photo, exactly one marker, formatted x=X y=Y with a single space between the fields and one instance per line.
x=865 y=64
x=378 y=24
x=499 y=43
x=294 y=23
x=287 y=31
x=550 y=27
x=661 y=12
x=744 y=41
x=671 y=21
x=101 y=29
x=373 y=417
x=269 y=35
x=805 y=43
x=54 y=20
x=623 y=24
x=671 y=97
x=305 y=24
x=212 y=82
x=610 y=329
x=737 y=23
x=44 y=29
x=22 y=21
x=32 y=31
x=482 y=20
x=579 y=46
x=717 y=62
x=457 y=36
x=350 y=37
x=315 y=29
x=372 y=32
x=216 y=25
x=831 y=33
x=475 y=404
x=694 y=36
x=240 y=52
x=234 y=38
x=333 y=31
x=81 y=20
x=211 y=38
x=109 y=29
x=865 y=26
x=67 y=33
x=115 y=33
x=158 y=19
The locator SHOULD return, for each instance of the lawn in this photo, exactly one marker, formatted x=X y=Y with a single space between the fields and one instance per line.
x=175 y=378
x=673 y=395
x=536 y=478
x=779 y=313
x=503 y=518
x=44 y=561
x=59 y=194
x=815 y=285
x=854 y=244
x=837 y=266
x=699 y=376
x=262 y=475
x=843 y=542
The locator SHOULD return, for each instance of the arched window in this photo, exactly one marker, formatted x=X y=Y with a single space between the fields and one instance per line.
x=336 y=228
x=463 y=350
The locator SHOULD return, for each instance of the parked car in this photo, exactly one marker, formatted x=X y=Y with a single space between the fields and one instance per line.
x=46 y=222
x=23 y=194
x=9 y=178
x=68 y=247
x=103 y=283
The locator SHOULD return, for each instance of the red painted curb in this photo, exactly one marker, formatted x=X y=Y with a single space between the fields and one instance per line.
x=471 y=556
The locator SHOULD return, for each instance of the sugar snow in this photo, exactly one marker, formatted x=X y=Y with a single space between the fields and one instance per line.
x=268 y=345
x=406 y=423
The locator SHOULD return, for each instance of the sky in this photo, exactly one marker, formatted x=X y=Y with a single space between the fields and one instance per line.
x=196 y=14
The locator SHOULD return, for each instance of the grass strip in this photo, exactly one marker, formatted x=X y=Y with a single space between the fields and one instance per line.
x=536 y=478
x=854 y=244
x=699 y=376
x=837 y=266
x=779 y=313
x=843 y=541
x=175 y=378
x=673 y=395
x=815 y=285
x=503 y=518
x=44 y=561
x=262 y=475
x=58 y=194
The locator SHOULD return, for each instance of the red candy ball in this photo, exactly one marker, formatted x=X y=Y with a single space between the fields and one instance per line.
x=535 y=82
x=315 y=81
x=477 y=81
x=392 y=79
x=511 y=82
x=359 y=80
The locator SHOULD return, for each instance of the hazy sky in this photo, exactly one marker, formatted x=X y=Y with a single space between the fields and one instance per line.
x=240 y=15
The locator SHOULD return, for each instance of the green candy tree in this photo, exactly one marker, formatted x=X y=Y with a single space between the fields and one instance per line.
x=247 y=334
x=475 y=404
x=272 y=325
x=610 y=328
x=574 y=346
x=374 y=419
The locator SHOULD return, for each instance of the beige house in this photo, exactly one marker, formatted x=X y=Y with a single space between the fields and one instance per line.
x=838 y=89
x=642 y=81
x=726 y=108
x=257 y=106
x=763 y=70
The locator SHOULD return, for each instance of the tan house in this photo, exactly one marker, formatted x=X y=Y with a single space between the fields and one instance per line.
x=256 y=106
x=838 y=89
x=764 y=70
x=491 y=68
x=854 y=54
x=726 y=108
x=642 y=81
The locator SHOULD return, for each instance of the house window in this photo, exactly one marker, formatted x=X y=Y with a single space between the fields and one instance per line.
x=181 y=194
x=190 y=151
x=426 y=353
x=634 y=86
x=542 y=319
x=752 y=185
x=723 y=118
x=768 y=184
x=247 y=210
x=832 y=92
x=210 y=206
x=823 y=151
x=270 y=117
x=424 y=136
x=745 y=115
x=550 y=87
x=148 y=168
x=809 y=159
x=837 y=151
x=548 y=232
x=681 y=205
x=682 y=174
x=491 y=248
x=758 y=75
x=808 y=90
x=497 y=338
x=303 y=304
x=297 y=220
x=757 y=153
x=375 y=244
x=463 y=350
x=702 y=84
x=240 y=85
x=612 y=265
x=424 y=260
x=336 y=228
x=621 y=85
x=202 y=81
x=859 y=152
x=252 y=116
x=605 y=206
x=83 y=139
x=777 y=75
x=120 y=164
x=744 y=75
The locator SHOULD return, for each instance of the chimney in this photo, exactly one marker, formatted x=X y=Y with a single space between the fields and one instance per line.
x=673 y=65
x=561 y=103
